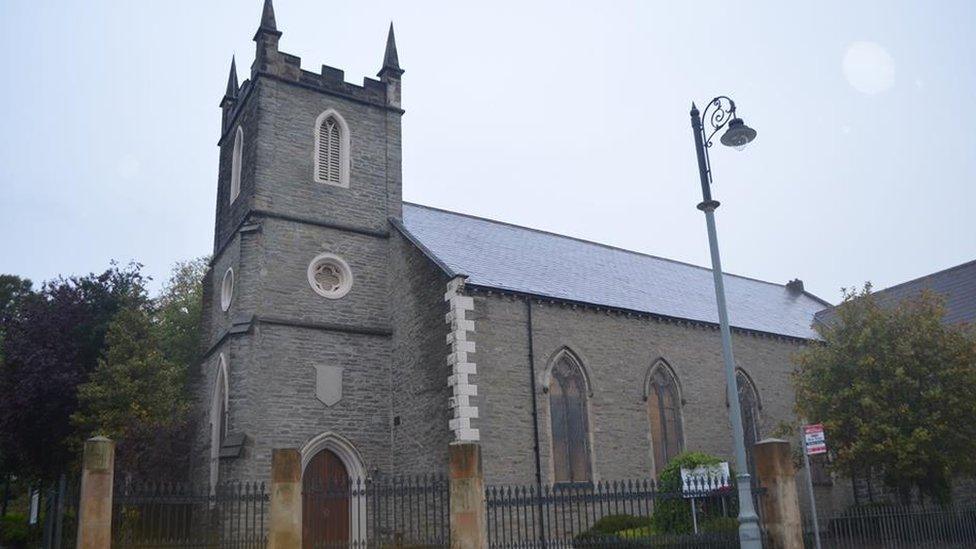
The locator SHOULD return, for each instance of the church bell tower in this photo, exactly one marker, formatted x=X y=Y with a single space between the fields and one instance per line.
x=297 y=322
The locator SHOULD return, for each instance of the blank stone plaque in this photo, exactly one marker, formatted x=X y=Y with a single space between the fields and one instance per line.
x=328 y=384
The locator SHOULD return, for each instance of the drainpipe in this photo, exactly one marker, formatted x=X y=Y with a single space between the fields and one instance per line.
x=535 y=423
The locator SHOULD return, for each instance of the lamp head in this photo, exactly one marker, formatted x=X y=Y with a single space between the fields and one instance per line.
x=738 y=135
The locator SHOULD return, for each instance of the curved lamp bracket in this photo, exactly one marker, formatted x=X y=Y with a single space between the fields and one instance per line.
x=717 y=115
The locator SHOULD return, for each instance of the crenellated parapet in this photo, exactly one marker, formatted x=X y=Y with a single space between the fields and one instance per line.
x=270 y=62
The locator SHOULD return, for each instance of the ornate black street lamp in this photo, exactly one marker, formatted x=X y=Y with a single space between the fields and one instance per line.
x=718 y=114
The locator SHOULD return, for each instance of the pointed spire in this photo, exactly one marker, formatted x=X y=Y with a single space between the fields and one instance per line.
x=391 y=62
x=232 y=86
x=390 y=58
x=268 y=23
x=267 y=17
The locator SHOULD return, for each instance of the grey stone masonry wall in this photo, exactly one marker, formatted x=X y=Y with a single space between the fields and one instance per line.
x=617 y=351
x=284 y=292
x=419 y=383
x=241 y=305
x=278 y=329
x=275 y=402
x=286 y=150
x=229 y=215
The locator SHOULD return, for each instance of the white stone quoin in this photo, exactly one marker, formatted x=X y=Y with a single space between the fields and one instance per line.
x=461 y=367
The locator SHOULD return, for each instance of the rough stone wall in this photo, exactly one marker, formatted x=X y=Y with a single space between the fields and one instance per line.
x=229 y=215
x=271 y=371
x=276 y=403
x=241 y=304
x=617 y=352
x=278 y=328
x=201 y=379
x=287 y=248
x=286 y=150
x=216 y=325
x=504 y=394
x=419 y=382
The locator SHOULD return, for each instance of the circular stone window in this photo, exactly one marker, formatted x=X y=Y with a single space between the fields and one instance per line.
x=330 y=276
x=227 y=289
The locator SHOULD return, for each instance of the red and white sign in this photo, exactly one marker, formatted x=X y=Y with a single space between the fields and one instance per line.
x=813 y=439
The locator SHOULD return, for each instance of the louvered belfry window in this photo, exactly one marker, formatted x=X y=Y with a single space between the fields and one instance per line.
x=662 y=407
x=330 y=151
x=570 y=426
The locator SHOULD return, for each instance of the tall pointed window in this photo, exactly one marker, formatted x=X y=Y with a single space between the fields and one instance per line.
x=570 y=426
x=749 y=404
x=663 y=404
x=235 y=165
x=331 y=149
x=218 y=419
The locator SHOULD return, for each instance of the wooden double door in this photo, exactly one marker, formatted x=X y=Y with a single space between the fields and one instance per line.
x=325 y=502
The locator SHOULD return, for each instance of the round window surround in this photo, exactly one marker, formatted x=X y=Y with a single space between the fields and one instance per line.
x=330 y=276
x=227 y=289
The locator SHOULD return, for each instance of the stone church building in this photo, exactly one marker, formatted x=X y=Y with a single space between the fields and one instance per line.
x=371 y=333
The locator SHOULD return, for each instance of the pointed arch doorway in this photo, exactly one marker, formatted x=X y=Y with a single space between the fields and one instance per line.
x=333 y=495
x=325 y=502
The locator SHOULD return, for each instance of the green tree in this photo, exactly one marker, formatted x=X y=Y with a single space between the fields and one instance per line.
x=13 y=291
x=51 y=344
x=178 y=312
x=138 y=394
x=133 y=387
x=893 y=386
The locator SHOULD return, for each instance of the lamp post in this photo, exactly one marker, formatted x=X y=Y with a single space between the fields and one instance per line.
x=718 y=114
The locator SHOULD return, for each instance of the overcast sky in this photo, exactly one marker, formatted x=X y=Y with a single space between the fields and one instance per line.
x=566 y=116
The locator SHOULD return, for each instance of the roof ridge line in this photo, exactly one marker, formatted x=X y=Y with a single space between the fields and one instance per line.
x=584 y=241
x=930 y=275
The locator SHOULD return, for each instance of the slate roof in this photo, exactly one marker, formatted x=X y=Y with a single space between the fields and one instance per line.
x=957 y=284
x=508 y=257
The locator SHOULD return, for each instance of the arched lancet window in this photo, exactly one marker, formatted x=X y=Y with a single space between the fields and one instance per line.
x=331 y=149
x=749 y=404
x=663 y=409
x=218 y=419
x=235 y=165
x=569 y=422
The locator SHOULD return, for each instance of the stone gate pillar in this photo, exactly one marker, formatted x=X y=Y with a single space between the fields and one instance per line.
x=95 y=506
x=780 y=505
x=469 y=528
x=286 y=499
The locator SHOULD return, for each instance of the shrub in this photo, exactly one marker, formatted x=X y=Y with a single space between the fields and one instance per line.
x=608 y=529
x=672 y=513
x=14 y=530
x=611 y=524
x=636 y=533
x=719 y=525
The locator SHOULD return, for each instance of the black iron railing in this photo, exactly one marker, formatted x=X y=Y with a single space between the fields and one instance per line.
x=565 y=515
x=58 y=513
x=151 y=515
x=898 y=526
